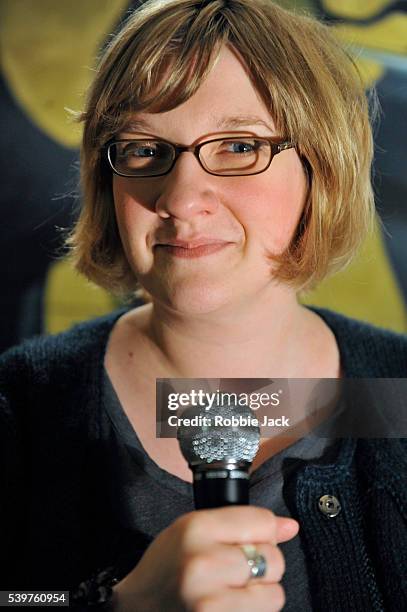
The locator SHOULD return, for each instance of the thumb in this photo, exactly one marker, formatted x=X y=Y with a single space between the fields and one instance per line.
x=286 y=529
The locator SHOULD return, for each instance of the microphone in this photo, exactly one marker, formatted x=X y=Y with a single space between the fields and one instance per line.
x=219 y=451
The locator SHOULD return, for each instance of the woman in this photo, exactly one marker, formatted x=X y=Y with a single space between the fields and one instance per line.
x=225 y=168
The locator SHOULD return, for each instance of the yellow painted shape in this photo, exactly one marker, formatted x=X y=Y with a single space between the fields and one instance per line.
x=389 y=34
x=356 y=9
x=370 y=70
x=48 y=50
x=366 y=290
x=70 y=298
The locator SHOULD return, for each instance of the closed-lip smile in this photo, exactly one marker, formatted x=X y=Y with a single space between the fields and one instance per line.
x=192 y=244
x=197 y=247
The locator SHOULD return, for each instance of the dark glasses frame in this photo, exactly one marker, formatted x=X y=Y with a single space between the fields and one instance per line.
x=275 y=148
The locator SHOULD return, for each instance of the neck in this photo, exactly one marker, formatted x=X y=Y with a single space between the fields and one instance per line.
x=264 y=339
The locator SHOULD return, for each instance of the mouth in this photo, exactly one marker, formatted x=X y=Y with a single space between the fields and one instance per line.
x=191 y=250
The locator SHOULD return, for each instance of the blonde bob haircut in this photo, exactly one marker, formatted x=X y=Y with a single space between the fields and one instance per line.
x=310 y=86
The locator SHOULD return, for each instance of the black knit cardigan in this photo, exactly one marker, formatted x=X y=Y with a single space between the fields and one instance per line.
x=56 y=524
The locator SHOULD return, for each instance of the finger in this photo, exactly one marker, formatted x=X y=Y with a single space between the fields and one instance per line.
x=226 y=566
x=275 y=565
x=262 y=598
x=286 y=529
x=234 y=525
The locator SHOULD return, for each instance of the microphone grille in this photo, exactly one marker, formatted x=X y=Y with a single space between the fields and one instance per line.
x=215 y=439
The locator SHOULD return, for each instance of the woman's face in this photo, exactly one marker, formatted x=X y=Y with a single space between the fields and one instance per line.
x=246 y=217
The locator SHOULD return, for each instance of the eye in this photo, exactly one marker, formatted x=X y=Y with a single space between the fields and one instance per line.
x=131 y=156
x=240 y=147
x=138 y=149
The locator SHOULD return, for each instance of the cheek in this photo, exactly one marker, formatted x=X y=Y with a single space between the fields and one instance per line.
x=134 y=221
x=276 y=204
x=131 y=215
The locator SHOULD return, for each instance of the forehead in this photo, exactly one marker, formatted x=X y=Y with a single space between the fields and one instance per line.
x=227 y=99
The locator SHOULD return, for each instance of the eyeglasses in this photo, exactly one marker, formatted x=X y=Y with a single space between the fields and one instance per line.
x=230 y=156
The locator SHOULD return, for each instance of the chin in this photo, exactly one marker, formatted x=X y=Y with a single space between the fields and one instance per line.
x=192 y=297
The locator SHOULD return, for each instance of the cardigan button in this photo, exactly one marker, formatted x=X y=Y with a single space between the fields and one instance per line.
x=329 y=505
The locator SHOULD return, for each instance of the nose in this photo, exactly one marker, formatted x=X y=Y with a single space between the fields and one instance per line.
x=187 y=191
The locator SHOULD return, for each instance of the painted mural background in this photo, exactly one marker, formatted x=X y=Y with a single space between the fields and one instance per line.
x=47 y=53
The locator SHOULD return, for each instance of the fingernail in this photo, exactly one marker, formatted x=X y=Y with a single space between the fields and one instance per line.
x=291 y=525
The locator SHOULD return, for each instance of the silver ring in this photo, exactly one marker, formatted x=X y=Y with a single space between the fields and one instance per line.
x=256 y=562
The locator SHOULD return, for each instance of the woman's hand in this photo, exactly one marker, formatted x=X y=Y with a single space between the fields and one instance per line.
x=196 y=564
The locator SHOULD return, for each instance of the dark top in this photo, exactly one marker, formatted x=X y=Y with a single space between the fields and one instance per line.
x=57 y=468
x=142 y=482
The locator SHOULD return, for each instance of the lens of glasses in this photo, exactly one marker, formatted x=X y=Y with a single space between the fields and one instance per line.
x=141 y=157
x=229 y=156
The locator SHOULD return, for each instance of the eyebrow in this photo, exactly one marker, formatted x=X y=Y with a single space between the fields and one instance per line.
x=221 y=122
x=239 y=121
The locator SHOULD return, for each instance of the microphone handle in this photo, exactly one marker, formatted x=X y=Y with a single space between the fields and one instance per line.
x=214 y=489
